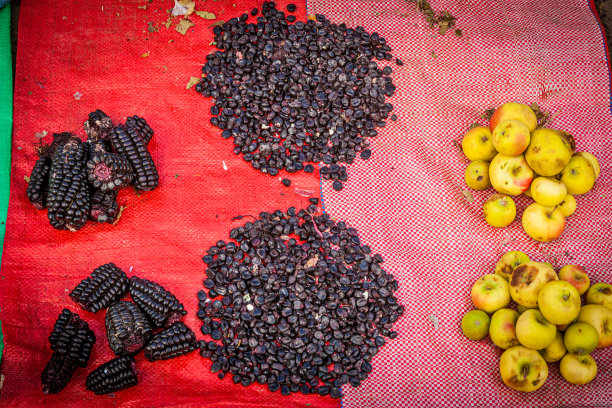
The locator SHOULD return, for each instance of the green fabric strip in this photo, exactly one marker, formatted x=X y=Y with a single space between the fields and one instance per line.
x=6 y=124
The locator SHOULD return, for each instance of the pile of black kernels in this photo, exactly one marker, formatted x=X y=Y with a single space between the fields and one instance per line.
x=77 y=181
x=150 y=322
x=290 y=94
x=296 y=302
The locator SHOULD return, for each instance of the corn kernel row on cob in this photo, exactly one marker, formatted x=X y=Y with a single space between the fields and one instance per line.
x=174 y=341
x=106 y=284
x=114 y=375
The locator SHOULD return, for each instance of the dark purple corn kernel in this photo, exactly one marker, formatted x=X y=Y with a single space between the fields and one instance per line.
x=174 y=341
x=114 y=375
x=141 y=126
x=127 y=328
x=97 y=147
x=57 y=373
x=106 y=284
x=162 y=307
x=68 y=198
x=38 y=186
x=72 y=337
x=128 y=143
x=104 y=206
x=109 y=171
x=98 y=126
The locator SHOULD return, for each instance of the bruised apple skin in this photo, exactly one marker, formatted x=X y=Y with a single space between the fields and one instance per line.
x=600 y=294
x=593 y=160
x=477 y=144
x=578 y=369
x=511 y=137
x=527 y=280
x=510 y=260
x=510 y=175
x=549 y=151
x=523 y=369
x=514 y=111
x=568 y=205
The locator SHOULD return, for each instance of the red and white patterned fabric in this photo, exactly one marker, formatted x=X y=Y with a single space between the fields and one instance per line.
x=407 y=200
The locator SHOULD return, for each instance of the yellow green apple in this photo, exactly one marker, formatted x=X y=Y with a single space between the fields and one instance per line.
x=555 y=351
x=511 y=137
x=568 y=205
x=514 y=111
x=600 y=317
x=549 y=151
x=578 y=369
x=477 y=175
x=548 y=191
x=502 y=330
x=508 y=262
x=475 y=325
x=578 y=176
x=534 y=331
x=543 y=223
x=490 y=293
x=499 y=210
x=593 y=160
x=576 y=275
x=477 y=144
x=600 y=294
x=510 y=175
x=527 y=280
x=580 y=338
x=559 y=302
x=523 y=369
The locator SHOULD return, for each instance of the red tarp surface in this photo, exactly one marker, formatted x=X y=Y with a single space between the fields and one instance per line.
x=406 y=201
x=104 y=51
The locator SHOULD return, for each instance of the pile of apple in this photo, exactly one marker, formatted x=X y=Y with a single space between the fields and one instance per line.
x=549 y=324
x=515 y=157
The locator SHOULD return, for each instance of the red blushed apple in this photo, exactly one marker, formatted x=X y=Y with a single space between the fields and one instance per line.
x=514 y=111
x=543 y=223
x=575 y=275
x=510 y=175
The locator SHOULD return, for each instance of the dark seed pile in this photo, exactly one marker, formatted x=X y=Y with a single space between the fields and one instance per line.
x=78 y=180
x=297 y=302
x=130 y=327
x=290 y=94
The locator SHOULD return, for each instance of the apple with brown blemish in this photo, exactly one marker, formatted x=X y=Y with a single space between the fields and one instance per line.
x=576 y=275
x=527 y=280
x=499 y=210
x=523 y=369
x=543 y=223
x=510 y=260
x=510 y=175
x=549 y=151
x=568 y=205
x=514 y=111
x=600 y=294
x=490 y=293
x=578 y=176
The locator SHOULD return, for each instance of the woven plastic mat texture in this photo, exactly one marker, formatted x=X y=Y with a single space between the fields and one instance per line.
x=407 y=200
